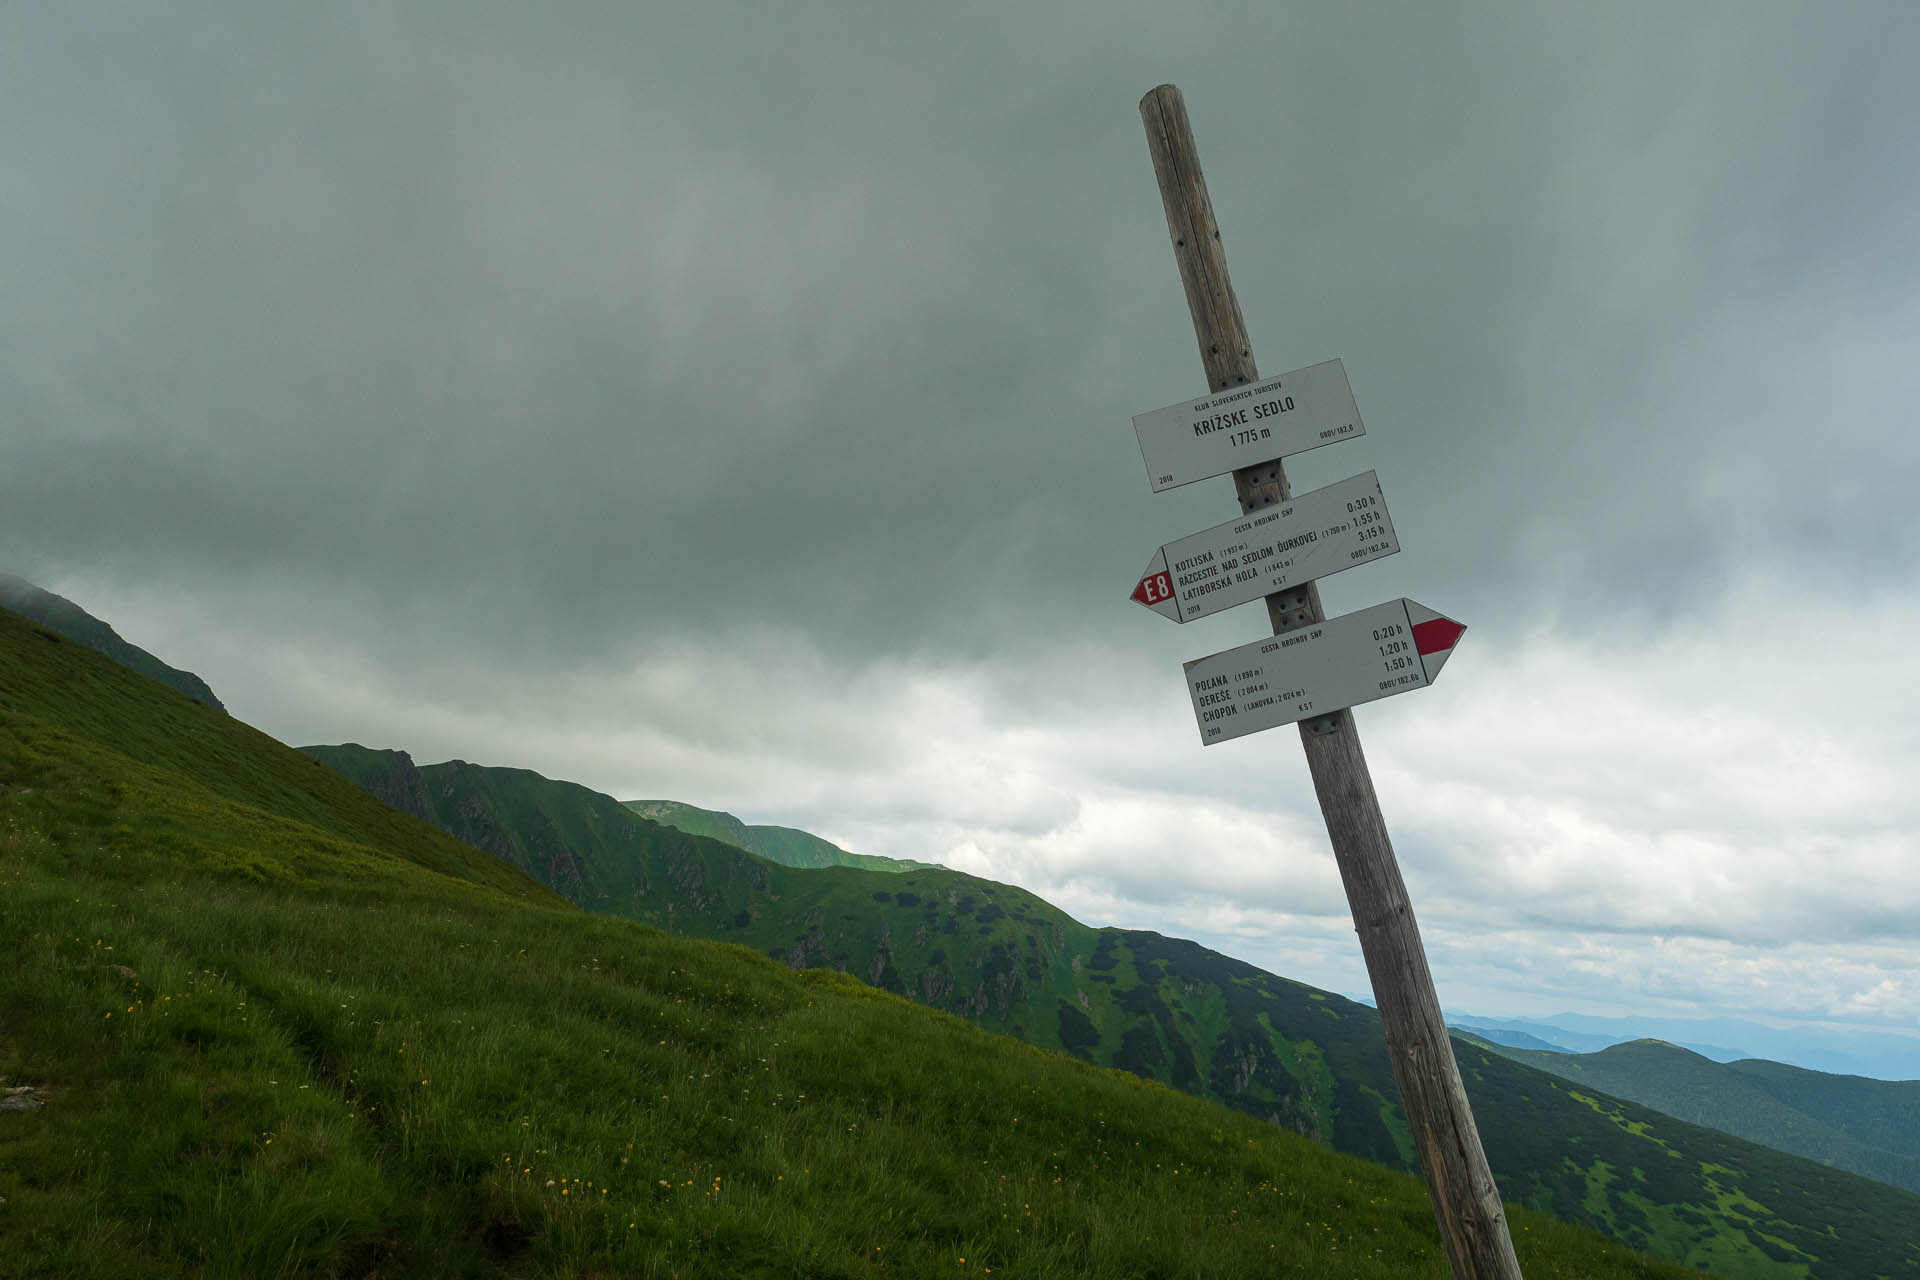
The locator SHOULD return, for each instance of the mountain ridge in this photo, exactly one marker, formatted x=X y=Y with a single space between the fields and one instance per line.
x=787 y=845
x=265 y=1025
x=59 y=614
x=1868 y=1127
x=1171 y=1011
x=1881 y=1055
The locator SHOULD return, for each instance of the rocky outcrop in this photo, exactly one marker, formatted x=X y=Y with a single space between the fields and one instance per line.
x=809 y=950
x=1000 y=987
x=935 y=984
x=396 y=781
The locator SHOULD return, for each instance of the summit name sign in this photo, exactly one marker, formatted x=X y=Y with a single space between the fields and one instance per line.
x=1245 y=426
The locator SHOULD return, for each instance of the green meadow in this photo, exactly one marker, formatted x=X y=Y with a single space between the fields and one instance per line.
x=1173 y=1011
x=264 y=1026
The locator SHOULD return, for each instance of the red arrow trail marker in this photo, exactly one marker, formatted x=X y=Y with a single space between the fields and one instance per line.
x=1433 y=636
x=1156 y=588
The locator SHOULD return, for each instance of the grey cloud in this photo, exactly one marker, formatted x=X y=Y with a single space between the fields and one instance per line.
x=465 y=360
x=789 y=316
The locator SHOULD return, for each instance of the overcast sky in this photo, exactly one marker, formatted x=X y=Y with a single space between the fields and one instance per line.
x=731 y=403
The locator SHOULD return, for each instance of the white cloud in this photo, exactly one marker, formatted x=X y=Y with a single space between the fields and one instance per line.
x=1711 y=813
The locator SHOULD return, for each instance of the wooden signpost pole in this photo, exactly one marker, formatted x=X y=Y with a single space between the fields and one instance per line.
x=1472 y=1220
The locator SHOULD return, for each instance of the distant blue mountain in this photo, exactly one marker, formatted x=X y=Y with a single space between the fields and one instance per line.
x=1511 y=1039
x=1880 y=1055
x=1869 y=1127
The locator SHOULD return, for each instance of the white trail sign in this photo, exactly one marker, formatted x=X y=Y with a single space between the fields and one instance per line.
x=1247 y=425
x=1357 y=657
x=1309 y=536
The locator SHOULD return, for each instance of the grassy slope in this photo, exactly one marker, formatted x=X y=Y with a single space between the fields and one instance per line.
x=57 y=613
x=1787 y=1108
x=1883 y=1113
x=266 y=1047
x=786 y=845
x=231 y=761
x=1201 y=1022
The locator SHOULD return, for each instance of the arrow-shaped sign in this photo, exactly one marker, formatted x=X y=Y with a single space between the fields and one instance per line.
x=1309 y=536
x=1357 y=657
x=1245 y=426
